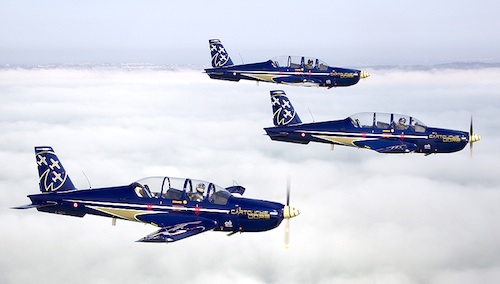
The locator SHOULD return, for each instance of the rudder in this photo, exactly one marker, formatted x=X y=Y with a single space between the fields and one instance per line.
x=220 y=57
x=283 y=111
x=51 y=173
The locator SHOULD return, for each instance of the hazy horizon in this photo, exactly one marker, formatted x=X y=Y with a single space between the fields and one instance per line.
x=362 y=33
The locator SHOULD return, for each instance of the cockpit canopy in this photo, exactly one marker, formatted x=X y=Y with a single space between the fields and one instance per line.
x=387 y=121
x=180 y=189
x=297 y=62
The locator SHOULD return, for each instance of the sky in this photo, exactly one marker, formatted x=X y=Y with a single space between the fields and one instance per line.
x=366 y=217
x=356 y=34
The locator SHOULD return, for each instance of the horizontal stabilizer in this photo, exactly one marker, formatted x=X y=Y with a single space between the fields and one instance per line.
x=29 y=206
x=387 y=146
x=190 y=226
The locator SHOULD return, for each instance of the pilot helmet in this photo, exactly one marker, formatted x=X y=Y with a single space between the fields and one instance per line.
x=402 y=120
x=200 y=188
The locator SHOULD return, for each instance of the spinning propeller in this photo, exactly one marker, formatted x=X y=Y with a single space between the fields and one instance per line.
x=288 y=212
x=472 y=137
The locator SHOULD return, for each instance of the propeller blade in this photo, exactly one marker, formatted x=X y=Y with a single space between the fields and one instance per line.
x=287 y=222
x=471 y=126
x=288 y=185
x=288 y=212
x=473 y=137
x=470 y=137
x=287 y=233
x=470 y=149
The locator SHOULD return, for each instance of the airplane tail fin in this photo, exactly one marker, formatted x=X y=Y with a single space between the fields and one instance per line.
x=52 y=175
x=220 y=57
x=283 y=111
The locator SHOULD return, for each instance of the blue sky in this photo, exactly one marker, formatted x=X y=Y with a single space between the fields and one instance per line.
x=359 y=33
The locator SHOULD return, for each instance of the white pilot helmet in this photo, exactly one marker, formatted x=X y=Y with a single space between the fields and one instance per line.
x=402 y=120
x=200 y=188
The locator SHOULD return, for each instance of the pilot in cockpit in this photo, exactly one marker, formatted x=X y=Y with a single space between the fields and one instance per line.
x=401 y=124
x=198 y=195
x=142 y=191
x=309 y=64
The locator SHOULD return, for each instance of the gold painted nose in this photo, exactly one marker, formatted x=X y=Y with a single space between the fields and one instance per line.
x=474 y=138
x=290 y=212
x=364 y=74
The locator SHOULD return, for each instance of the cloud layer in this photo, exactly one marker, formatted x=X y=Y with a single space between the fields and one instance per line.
x=366 y=217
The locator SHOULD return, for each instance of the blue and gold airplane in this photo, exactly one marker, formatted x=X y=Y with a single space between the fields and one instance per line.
x=382 y=132
x=179 y=207
x=290 y=70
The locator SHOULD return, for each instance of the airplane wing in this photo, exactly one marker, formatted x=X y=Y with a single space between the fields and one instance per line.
x=296 y=80
x=387 y=146
x=174 y=227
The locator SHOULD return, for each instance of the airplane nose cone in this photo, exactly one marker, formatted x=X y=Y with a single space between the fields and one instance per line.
x=364 y=74
x=474 y=138
x=290 y=212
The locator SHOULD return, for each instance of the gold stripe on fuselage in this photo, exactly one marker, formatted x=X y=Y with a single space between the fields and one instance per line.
x=347 y=141
x=263 y=77
x=128 y=214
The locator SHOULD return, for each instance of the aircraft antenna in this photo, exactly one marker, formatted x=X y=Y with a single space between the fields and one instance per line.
x=311 y=114
x=241 y=58
x=90 y=186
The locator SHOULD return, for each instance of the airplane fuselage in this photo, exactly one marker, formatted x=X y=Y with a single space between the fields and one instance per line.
x=427 y=140
x=237 y=215
x=269 y=72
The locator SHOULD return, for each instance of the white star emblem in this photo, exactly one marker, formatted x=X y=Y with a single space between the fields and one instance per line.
x=55 y=164
x=287 y=113
x=275 y=101
x=41 y=161
x=286 y=104
x=56 y=177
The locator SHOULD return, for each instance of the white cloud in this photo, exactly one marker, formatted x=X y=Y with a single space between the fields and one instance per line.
x=366 y=217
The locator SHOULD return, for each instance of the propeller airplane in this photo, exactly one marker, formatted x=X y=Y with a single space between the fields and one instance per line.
x=289 y=70
x=179 y=207
x=382 y=132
